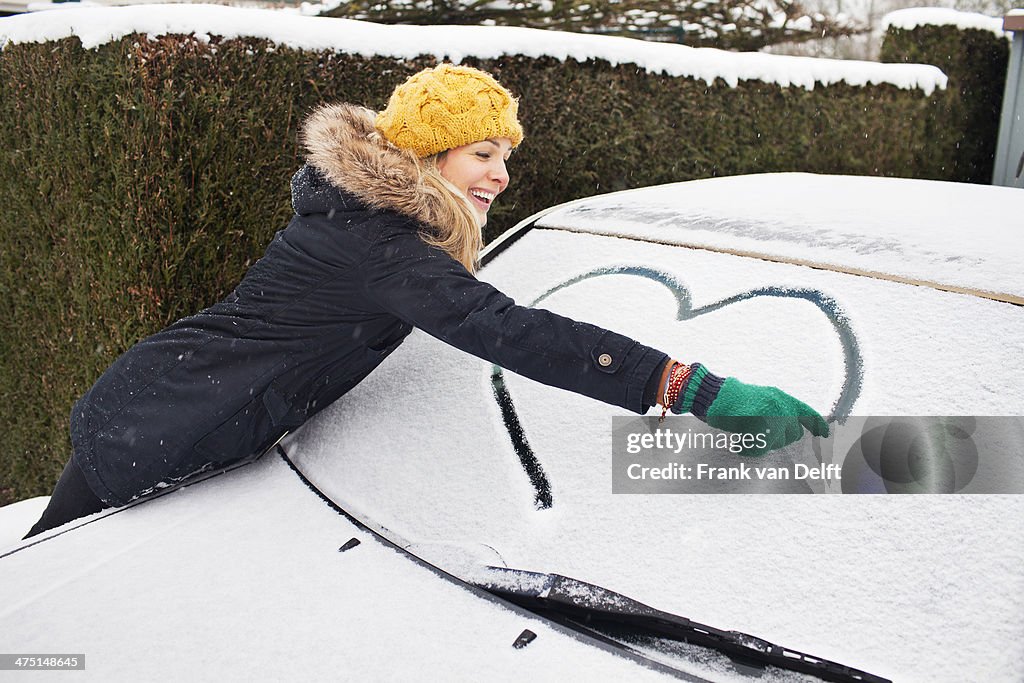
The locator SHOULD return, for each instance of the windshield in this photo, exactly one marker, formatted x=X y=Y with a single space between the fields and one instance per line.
x=860 y=579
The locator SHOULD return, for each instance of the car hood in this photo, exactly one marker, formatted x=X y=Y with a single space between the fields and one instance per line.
x=241 y=574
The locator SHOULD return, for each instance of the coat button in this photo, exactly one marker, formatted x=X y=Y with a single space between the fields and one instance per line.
x=605 y=360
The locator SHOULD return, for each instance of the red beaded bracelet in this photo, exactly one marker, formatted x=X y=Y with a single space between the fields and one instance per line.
x=677 y=377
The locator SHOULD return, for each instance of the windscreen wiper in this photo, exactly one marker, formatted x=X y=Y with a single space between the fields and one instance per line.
x=608 y=612
x=614 y=619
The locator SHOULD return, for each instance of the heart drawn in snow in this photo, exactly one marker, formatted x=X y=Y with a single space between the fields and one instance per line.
x=841 y=406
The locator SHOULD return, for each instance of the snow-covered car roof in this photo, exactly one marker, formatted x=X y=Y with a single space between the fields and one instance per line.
x=955 y=236
x=242 y=572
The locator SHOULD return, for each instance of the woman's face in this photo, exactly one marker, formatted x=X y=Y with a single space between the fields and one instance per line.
x=478 y=170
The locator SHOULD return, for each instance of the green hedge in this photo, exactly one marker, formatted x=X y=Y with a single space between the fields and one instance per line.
x=975 y=62
x=140 y=179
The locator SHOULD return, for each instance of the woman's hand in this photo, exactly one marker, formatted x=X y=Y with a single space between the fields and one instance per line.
x=734 y=406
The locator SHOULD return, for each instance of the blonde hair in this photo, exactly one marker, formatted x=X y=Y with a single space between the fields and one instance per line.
x=455 y=228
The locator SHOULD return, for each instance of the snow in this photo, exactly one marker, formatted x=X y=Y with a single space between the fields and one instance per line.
x=247 y=564
x=17 y=518
x=243 y=570
x=96 y=26
x=863 y=580
x=240 y=577
x=909 y=19
x=954 y=234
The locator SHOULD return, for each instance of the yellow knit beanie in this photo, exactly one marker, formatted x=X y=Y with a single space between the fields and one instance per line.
x=446 y=107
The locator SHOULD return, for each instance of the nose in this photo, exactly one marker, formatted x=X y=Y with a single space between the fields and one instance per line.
x=498 y=173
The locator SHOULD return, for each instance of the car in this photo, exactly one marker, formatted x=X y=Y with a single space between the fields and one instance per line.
x=448 y=519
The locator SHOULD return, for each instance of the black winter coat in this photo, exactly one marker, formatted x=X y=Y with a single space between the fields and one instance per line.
x=336 y=292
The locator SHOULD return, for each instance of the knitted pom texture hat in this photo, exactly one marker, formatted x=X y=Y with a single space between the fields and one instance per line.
x=446 y=107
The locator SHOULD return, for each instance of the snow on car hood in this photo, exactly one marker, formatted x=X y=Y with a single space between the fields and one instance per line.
x=863 y=580
x=951 y=234
x=241 y=577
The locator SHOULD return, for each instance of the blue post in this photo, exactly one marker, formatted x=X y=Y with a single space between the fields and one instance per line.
x=1010 y=144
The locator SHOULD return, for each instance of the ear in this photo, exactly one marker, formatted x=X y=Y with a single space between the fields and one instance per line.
x=441 y=163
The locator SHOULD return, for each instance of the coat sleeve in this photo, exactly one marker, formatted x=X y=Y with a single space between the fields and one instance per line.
x=423 y=286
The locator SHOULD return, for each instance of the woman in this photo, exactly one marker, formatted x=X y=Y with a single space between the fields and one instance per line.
x=387 y=229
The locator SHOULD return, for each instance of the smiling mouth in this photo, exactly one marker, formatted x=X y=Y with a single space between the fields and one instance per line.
x=482 y=198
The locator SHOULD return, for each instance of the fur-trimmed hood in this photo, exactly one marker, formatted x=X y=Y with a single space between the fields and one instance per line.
x=343 y=145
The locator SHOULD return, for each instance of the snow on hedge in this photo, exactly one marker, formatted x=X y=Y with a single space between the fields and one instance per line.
x=95 y=26
x=908 y=19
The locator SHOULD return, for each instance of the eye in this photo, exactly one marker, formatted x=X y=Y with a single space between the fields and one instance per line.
x=484 y=155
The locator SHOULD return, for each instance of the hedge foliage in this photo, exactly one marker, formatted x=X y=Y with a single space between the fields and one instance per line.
x=975 y=62
x=139 y=180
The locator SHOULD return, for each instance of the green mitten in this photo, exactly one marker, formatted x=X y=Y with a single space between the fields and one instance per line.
x=733 y=406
